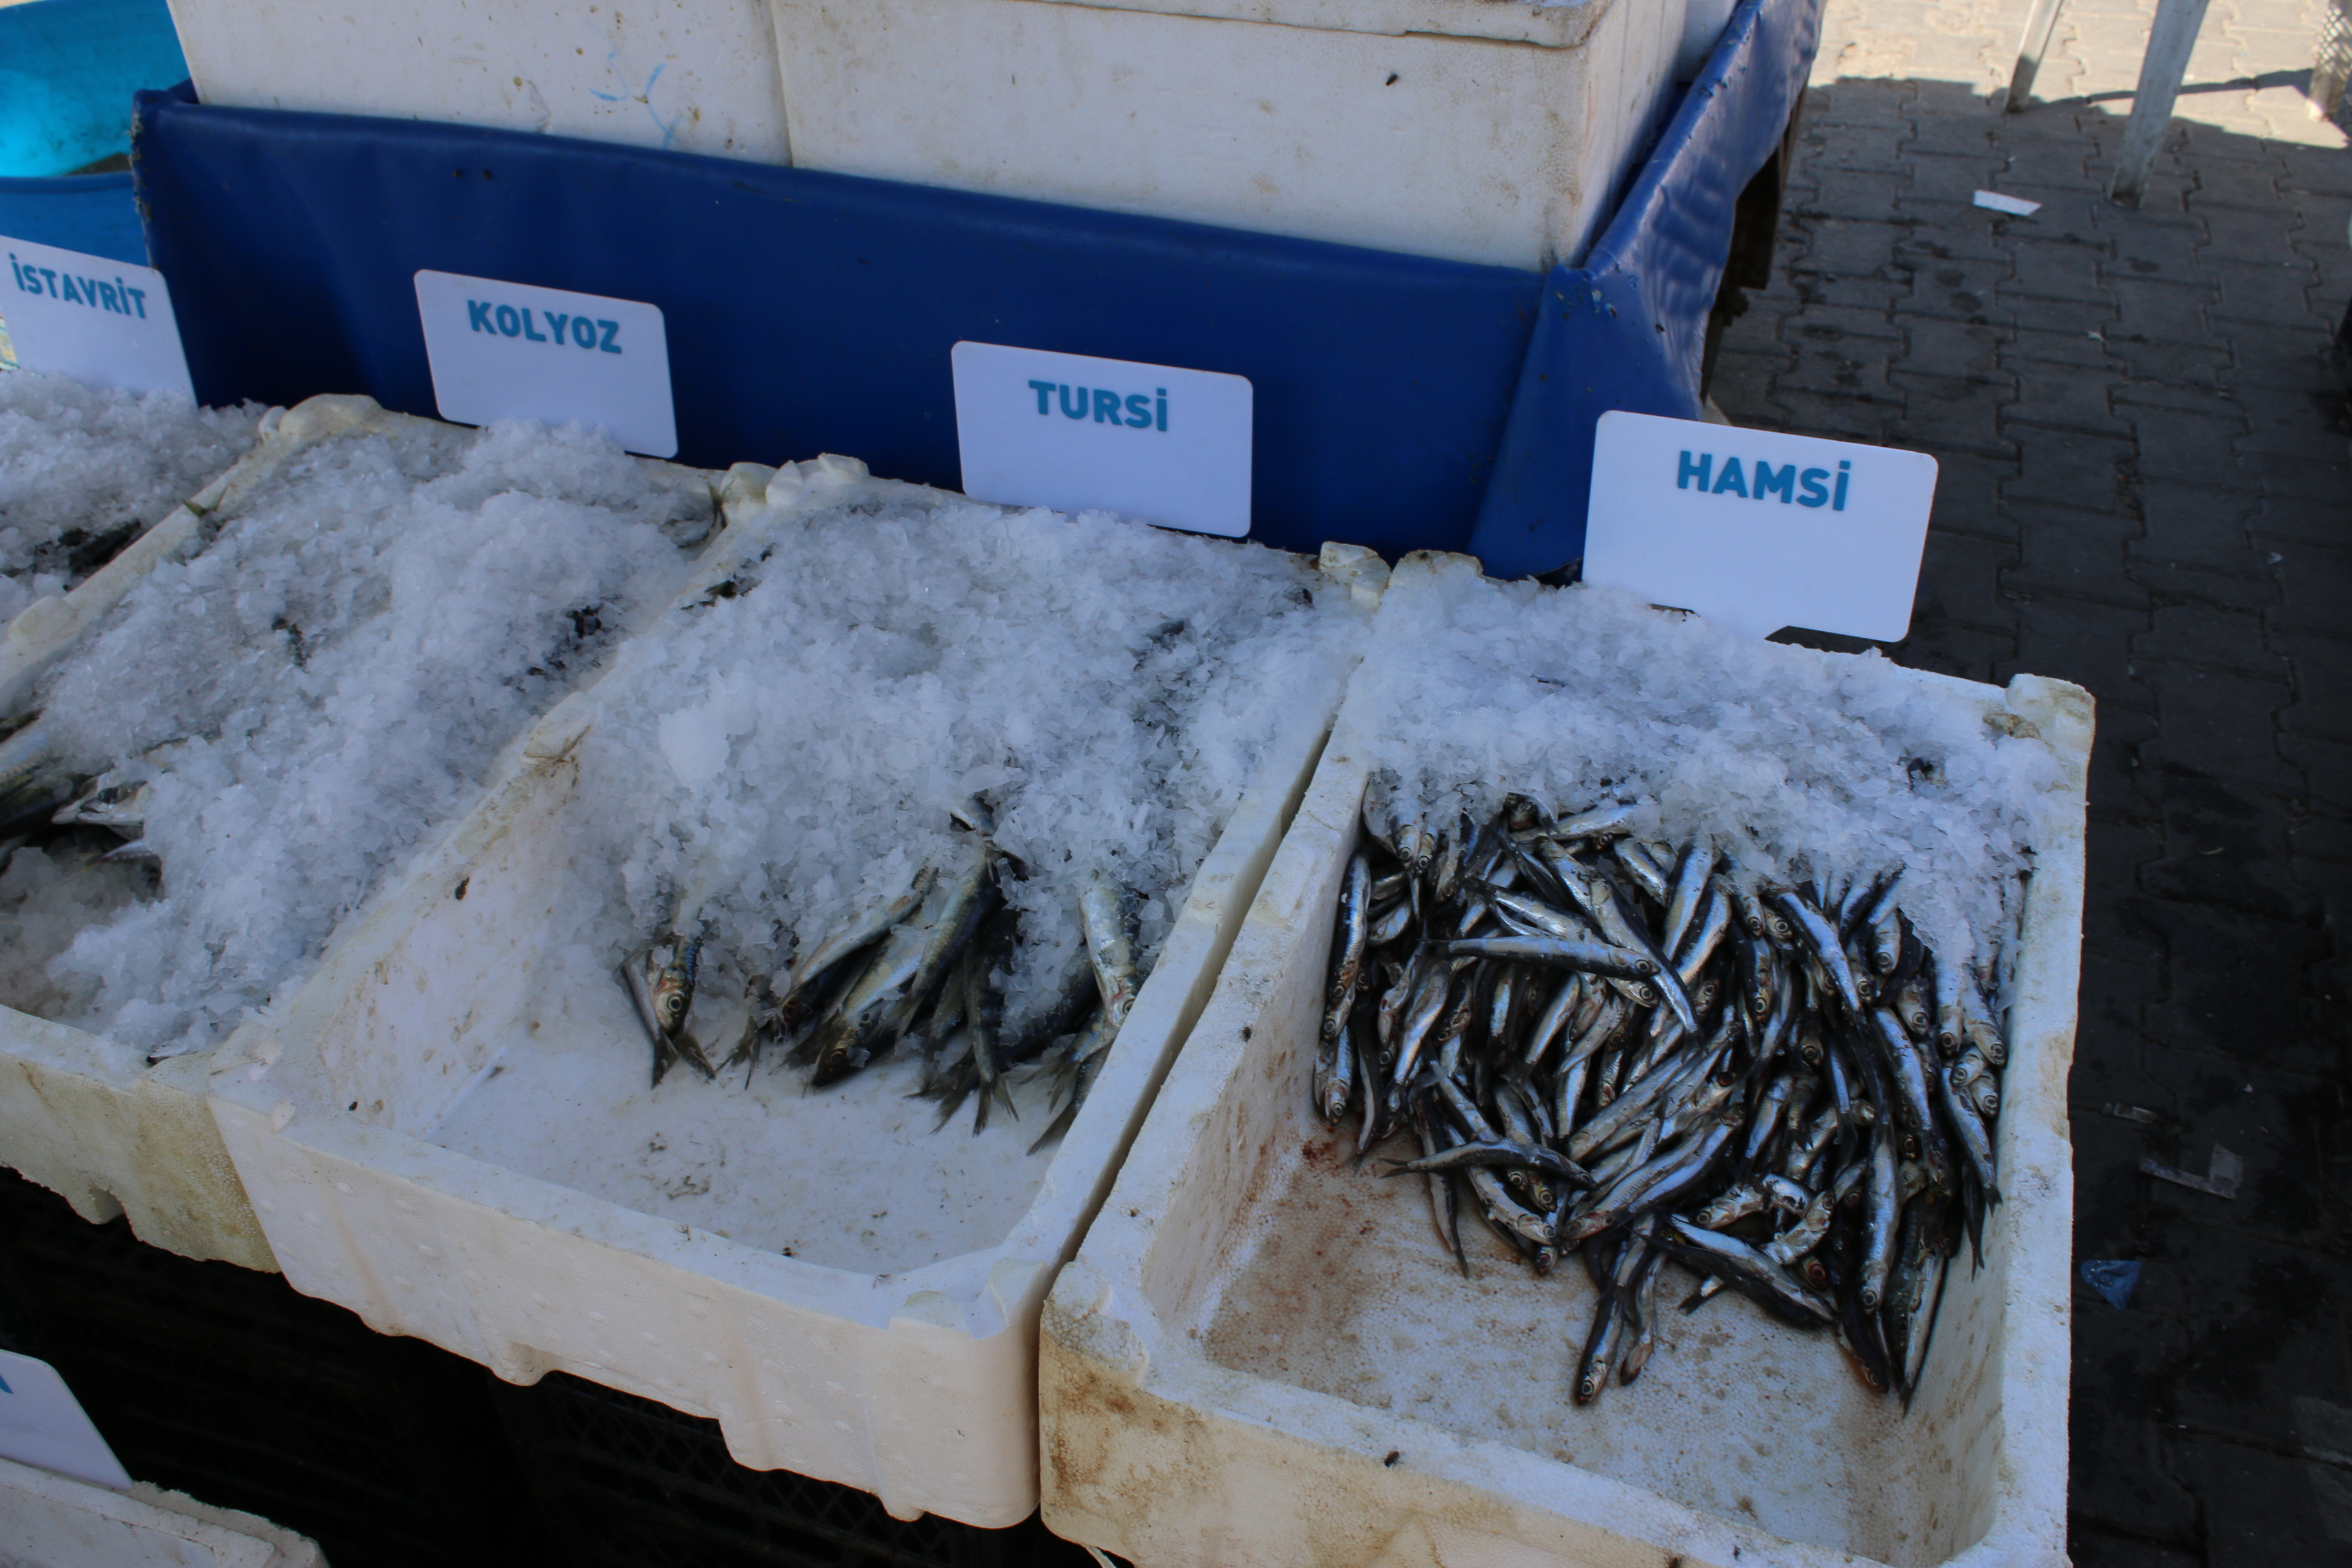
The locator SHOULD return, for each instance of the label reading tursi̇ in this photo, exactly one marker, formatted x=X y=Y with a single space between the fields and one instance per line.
x=1153 y=442
x=513 y=351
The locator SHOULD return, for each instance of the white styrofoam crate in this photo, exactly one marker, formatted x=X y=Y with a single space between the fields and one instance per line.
x=111 y=1137
x=1484 y=131
x=690 y=76
x=1260 y=1356
x=54 y=1521
x=892 y=1347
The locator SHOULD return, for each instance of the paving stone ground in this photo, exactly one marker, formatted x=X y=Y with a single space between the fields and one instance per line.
x=2145 y=488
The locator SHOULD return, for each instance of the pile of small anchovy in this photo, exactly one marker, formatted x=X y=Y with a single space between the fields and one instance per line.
x=921 y=965
x=1648 y=1055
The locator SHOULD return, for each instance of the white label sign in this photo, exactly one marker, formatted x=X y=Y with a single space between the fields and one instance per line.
x=1076 y=433
x=1758 y=529
x=510 y=350
x=97 y=321
x=43 y=1425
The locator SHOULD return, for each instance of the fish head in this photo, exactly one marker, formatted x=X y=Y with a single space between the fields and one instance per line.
x=673 y=994
x=837 y=1061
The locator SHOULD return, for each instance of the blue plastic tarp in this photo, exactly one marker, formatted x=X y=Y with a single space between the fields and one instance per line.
x=94 y=214
x=1627 y=330
x=810 y=312
x=67 y=70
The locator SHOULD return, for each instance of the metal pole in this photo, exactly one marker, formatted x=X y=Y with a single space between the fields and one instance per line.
x=2039 y=25
x=2160 y=71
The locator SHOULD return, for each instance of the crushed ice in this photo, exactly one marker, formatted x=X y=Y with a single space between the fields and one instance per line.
x=792 y=746
x=1790 y=761
x=330 y=678
x=86 y=469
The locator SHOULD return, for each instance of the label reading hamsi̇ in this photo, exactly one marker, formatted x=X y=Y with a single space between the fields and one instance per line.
x=1756 y=528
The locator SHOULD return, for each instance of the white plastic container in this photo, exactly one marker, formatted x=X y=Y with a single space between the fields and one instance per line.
x=77 y=1116
x=1239 y=1367
x=691 y=76
x=1485 y=131
x=896 y=1352
x=54 y=1521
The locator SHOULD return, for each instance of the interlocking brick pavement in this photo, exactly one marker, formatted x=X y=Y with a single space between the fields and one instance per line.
x=2146 y=486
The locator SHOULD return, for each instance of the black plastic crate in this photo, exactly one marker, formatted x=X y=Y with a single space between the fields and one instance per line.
x=229 y=1386
x=629 y=1483
x=233 y=1387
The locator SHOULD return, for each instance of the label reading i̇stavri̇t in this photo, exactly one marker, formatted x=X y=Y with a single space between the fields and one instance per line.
x=1758 y=530
x=1157 y=443
x=95 y=319
x=514 y=351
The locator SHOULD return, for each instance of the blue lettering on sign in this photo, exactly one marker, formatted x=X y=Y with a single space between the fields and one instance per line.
x=1807 y=488
x=510 y=321
x=116 y=299
x=1133 y=412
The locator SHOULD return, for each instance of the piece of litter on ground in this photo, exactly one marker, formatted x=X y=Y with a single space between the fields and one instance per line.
x=2115 y=1279
x=2132 y=1113
x=2015 y=207
x=2226 y=1172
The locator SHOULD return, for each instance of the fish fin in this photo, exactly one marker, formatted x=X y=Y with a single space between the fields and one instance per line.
x=1060 y=1125
x=689 y=1050
x=950 y=1099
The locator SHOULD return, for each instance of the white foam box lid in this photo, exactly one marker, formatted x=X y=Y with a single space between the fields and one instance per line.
x=739 y=1253
x=109 y=1137
x=1259 y=1355
x=1498 y=132
x=686 y=76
